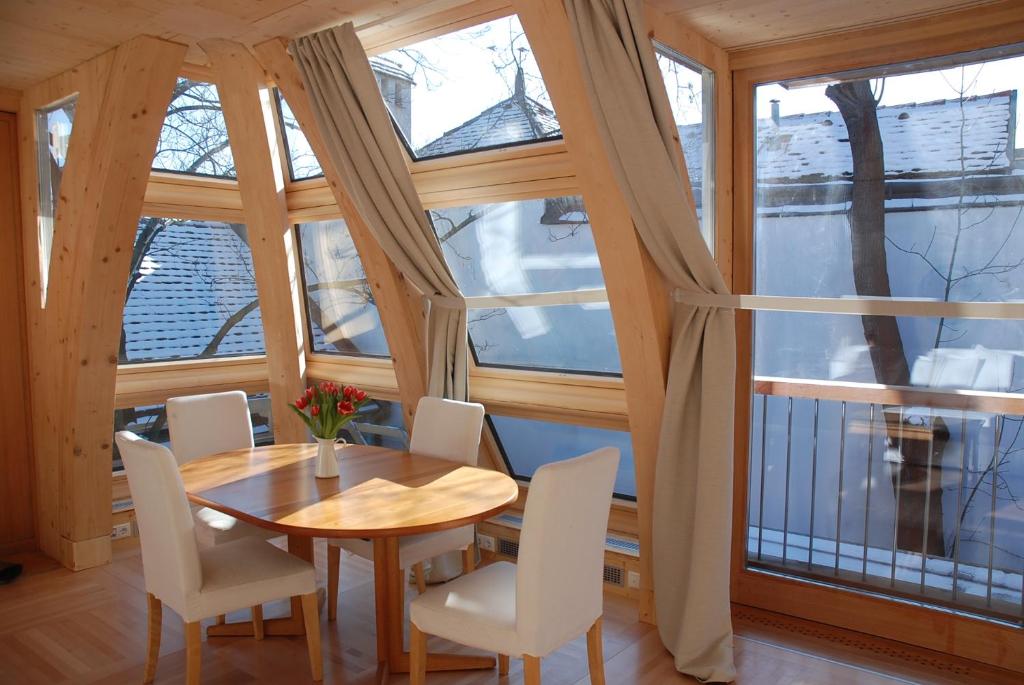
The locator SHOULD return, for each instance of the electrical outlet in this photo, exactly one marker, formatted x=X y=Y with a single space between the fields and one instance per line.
x=633 y=580
x=121 y=530
x=485 y=542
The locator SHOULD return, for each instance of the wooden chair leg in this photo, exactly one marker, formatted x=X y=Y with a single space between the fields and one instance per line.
x=469 y=559
x=156 y=611
x=595 y=654
x=311 y=619
x=531 y=670
x=333 y=571
x=193 y=657
x=421 y=578
x=257 y=621
x=417 y=656
x=503 y=664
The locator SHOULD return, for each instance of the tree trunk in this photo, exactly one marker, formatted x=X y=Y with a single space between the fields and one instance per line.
x=917 y=489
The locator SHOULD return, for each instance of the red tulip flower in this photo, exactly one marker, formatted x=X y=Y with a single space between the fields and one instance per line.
x=359 y=395
x=345 y=408
x=315 y=411
x=301 y=403
x=309 y=393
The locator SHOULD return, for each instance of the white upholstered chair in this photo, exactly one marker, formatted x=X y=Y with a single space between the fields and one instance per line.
x=201 y=425
x=196 y=582
x=551 y=596
x=446 y=429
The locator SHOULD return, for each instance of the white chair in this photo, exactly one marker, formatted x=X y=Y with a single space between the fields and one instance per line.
x=553 y=594
x=201 y=425
x=200 y=583
x=446 y=429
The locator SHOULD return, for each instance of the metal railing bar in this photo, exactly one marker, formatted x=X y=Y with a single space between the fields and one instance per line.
x=867 y=489
x=760 y=500
x=789 y=451
x=814 y=488
x=839 y=499
x=959 y=506
x=927 y=498
x=996 y=439
x=896 y=507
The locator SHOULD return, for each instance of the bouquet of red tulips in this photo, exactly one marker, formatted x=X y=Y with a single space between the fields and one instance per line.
x=329 y=408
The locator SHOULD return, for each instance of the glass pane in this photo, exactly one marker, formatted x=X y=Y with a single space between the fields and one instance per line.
x=690 y=90
x=194 y=137
x=191 y=293
x=342 y=314
x=575 y=337
x=512 y=248
x=302 y=163
x=960 y=354
x=528 y=247
x=923 y=200
x=150 y=422
x=53 y=136
x=528 y=444
x=380 y=423
x=473 y=89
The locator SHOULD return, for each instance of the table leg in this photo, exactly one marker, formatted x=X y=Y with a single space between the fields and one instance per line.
x=302 y=547
x=390 y=599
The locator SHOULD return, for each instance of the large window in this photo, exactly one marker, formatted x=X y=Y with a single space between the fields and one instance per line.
x=533 y=283
x=527 y=444
x=691 y=94
x=885 y=446
x=191 y=292
x=53 y=136
x=340 y=309
x=473 y=89
x=194 y=137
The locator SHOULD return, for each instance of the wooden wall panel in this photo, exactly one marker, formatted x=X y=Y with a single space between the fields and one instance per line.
x=74 y=336
x=17 y=529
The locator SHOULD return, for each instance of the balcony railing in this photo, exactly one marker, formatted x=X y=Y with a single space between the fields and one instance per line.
x=912 y=492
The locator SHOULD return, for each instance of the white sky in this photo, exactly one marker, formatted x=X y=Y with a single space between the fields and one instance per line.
x=978 y=79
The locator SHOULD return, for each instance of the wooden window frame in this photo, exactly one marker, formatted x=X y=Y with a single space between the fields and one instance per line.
x=955 y=32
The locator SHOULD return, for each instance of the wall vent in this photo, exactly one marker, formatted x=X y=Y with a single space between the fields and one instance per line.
x=615 y=575
x=508 y=547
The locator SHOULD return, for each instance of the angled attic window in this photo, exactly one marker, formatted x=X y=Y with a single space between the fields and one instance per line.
x=691 y=93
x=302 y=163
x=194 y=138
x=474 y=89
x=53 y=136
x=191 y=293
x=533 y=283
x=527 y=444
x=340 y=310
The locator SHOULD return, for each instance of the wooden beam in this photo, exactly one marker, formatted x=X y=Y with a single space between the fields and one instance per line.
x=399 y=304
x=248 y=111
x=638 y=296
x=74 y=338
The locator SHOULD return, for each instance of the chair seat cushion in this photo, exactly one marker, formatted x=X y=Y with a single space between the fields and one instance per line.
x=215 y=528
x=247 y=572
x=477 y=609
x=413 y=549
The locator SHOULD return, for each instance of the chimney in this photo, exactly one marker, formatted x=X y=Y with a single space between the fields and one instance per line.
x=396 y=87
x=775 y=112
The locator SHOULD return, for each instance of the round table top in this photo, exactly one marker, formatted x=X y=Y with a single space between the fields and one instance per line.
x=380 y=493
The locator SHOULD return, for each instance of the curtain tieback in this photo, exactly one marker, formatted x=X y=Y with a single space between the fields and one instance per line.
x=706 y=299
x=447 y=302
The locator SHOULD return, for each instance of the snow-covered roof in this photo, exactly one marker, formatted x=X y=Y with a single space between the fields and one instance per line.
x=920 y=140
x=196 y=275
x=513 y=120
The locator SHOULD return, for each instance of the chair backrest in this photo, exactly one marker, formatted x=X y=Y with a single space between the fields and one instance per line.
x=561 y=550
x=447 y=429
x=170 y=556
x=201 y=425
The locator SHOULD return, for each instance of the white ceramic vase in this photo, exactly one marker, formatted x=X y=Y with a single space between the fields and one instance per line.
x=326 y=459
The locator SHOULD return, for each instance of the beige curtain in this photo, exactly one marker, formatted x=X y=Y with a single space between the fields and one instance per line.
x=693 y=483
x=363 y=146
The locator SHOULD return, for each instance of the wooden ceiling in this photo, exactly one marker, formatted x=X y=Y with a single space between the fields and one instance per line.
x=41 y=38
x=734 y=24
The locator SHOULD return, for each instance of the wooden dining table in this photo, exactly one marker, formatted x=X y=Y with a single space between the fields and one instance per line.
x=382 y=494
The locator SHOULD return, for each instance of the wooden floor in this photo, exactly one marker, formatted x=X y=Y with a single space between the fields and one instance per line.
x=90 y=627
